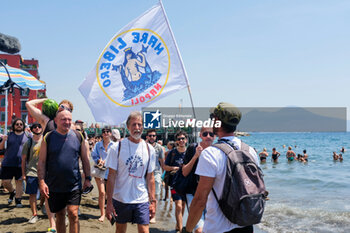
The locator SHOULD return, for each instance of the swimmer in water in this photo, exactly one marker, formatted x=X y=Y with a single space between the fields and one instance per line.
x=275 y=155
x=290 y=154
x=305 y=156
x=335 y=156
x=340 y=157
x=263 y=155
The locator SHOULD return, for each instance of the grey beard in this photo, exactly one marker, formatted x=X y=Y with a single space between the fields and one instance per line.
x=136 y=136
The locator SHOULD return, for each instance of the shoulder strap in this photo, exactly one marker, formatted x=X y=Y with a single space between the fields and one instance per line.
x=47 y=138
x=172 y=156
x=226 y=148
x=119 y=145
x=244 y=147
x=79 y=135
x=149 y=159
x=30 y=142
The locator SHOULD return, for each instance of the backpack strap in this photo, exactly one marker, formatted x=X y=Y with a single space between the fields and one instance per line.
x=244 y=147
x=79 y=135
x=172 y=156
x=119 y=145
x=30 y=142
x=227 y=147
x=47 y=138
x=149 y=159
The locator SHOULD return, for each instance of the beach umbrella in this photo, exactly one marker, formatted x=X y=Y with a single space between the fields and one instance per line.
x=11 y=77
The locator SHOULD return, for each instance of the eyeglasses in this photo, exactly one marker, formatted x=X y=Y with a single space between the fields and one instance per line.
x=181 y=139
x=65 y=108
x=106 y=131
x=152 y=135
x=205 y=134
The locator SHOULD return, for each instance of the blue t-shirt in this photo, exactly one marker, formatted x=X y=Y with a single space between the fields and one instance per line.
x=13 y=153
x=62 y=162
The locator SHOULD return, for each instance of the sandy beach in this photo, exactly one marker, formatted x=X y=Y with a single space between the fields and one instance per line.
x=15 y=220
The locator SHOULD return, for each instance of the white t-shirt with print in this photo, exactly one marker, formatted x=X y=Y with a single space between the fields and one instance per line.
x=130 y=185
x=212 y=163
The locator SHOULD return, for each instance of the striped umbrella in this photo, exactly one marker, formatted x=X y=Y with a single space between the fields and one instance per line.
x=21 y=78
x=10 y=76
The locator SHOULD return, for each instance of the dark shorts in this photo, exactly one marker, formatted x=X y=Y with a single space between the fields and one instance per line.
x=134 y=213
x=32 y=185
x=7 y=173
x=58 y=201
x=247 y=229
x=176 y=196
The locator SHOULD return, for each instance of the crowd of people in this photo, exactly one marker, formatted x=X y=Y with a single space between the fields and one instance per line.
x=129 y=172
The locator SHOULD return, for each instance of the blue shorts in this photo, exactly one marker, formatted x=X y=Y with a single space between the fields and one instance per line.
x=32 y=185
x=134 y=213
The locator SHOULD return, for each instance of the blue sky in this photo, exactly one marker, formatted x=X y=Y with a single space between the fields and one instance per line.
x=250 y=53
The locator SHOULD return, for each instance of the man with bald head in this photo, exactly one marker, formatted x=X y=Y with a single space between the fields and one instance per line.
x=58 y=171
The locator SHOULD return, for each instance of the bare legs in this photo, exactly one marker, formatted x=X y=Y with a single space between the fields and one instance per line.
x=179 y=212
x=101 y=197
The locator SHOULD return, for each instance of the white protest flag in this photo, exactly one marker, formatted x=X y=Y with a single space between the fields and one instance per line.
x=140 y=65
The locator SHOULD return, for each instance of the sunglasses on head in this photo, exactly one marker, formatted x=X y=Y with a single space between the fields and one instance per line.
x=205 y=134
x=65 y=108
x=181 y=139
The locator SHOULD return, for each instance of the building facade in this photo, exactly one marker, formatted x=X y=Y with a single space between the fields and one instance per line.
x=18 y=98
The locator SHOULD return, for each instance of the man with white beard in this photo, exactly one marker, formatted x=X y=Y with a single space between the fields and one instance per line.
x=130 y=183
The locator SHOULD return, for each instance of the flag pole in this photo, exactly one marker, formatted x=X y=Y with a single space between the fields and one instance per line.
x=182 y=65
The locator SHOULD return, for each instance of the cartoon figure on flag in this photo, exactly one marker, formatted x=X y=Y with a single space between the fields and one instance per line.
x=139 y=65
x=136 y=73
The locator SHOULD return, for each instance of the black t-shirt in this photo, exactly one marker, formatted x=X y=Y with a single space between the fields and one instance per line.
x=190 y=152
x=175 y=158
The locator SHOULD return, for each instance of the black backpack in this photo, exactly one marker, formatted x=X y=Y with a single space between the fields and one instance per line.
x=244 y=194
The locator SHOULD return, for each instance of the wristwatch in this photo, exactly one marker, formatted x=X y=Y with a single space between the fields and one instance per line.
x=88 y=178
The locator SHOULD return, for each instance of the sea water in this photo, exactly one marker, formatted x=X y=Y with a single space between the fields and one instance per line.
x=305 y=197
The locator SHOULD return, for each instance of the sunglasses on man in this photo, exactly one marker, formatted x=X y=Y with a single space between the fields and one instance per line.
x=181 y=139
x=205 y=134
x=106 y=131
x=62 y=107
